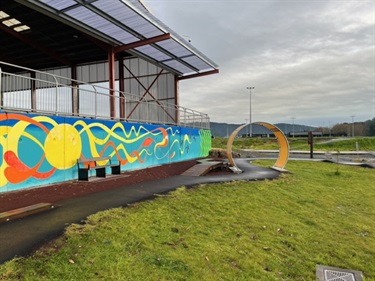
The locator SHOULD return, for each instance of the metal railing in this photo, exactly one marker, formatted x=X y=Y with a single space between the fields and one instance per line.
x=35 y=91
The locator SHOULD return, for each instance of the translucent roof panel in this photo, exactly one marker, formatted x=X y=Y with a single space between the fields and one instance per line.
x=197 y=62
x=178 y=66
x=101 y=24
x=133 y=20
x=152 y=52
x=59 y=4
x=174 y=48
x=122 y=22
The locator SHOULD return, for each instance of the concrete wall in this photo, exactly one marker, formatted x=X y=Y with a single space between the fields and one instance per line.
x=37 y=150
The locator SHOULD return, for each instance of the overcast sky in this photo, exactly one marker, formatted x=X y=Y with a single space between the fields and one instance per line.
x=313 y=60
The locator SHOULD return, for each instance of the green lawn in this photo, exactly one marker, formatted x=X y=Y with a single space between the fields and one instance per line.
x=265 y=230
x=345 y=144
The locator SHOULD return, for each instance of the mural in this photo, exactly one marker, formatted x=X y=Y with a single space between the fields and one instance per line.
x=38 y=150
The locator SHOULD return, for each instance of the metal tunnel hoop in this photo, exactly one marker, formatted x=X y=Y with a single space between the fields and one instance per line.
x=282 y=141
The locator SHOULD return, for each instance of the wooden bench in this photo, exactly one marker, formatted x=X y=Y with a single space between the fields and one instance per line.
x=92 y=164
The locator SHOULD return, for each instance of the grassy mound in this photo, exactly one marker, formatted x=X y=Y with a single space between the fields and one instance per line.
x=266 y=230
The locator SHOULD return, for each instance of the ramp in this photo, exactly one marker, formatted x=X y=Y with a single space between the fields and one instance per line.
x=203 y=168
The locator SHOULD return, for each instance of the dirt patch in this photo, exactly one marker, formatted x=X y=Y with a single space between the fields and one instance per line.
x=222 y=153
x=56 y=192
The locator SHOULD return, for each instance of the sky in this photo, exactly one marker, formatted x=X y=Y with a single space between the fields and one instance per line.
x=311 y=62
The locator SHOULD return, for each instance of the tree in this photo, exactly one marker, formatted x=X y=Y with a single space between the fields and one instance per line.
x=370 y=127
x=340 y=129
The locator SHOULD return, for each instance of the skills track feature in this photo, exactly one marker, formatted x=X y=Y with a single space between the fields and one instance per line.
x=282 y=141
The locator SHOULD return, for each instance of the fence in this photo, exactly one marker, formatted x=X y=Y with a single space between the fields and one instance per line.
x=30 y=90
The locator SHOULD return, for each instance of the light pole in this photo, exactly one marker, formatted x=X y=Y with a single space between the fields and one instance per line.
x=293 y=125
x=251 y=131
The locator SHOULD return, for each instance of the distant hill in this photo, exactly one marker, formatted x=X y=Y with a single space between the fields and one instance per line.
x=224 y=129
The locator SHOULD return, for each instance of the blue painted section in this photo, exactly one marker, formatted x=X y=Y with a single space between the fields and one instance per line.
x=37 y=150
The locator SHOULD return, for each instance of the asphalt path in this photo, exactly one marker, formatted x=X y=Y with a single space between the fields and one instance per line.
x=354 y=158
x=22 y=237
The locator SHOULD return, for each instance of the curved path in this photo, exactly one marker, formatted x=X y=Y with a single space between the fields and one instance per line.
x=23 y=236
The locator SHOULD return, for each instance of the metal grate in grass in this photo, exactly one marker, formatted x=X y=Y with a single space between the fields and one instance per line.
x=327 y=273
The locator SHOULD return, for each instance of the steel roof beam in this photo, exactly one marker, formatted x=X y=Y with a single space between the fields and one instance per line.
x=142 y=43
x=135 y=53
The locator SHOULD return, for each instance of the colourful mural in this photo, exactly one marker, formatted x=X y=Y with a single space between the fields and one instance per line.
x=38 y=150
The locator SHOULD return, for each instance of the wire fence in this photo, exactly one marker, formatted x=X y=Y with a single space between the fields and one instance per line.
x=34 y=91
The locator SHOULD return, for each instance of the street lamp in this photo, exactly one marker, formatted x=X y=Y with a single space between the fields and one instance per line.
x=251 y=132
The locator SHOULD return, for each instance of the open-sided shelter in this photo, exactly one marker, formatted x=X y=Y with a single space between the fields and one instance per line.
x=91 y=78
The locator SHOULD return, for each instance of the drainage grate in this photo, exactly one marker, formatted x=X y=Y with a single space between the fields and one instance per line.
x=327 y=273
x=331 y=275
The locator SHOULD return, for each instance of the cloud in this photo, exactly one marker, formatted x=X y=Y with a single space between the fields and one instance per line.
x=313 y=60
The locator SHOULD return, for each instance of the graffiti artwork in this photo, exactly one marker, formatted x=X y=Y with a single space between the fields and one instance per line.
x=38 y=150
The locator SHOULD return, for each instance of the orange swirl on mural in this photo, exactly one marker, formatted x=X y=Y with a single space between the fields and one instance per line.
x=181 y=147
x=13 y=169
x=126 y=138
x=4 y=130
x=129 y=158
x=18 y=172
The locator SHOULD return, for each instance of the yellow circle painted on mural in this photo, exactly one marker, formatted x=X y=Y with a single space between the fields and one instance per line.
x=63 y=146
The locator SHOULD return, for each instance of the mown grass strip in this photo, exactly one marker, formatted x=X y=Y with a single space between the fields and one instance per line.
x=266 y=230
x=344 y=144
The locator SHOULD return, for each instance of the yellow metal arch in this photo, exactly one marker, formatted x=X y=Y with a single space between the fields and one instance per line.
x=282 y=141
x=234 y=167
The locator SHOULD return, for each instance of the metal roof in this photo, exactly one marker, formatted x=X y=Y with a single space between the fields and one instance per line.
x=48 y=43
x=123 y=22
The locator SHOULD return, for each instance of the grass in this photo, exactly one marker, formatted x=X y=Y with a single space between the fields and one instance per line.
x=241 y=143
x=364 y=144
x=264 y=230
x=349 y=144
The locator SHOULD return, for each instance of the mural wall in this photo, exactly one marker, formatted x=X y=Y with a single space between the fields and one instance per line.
x=36 y=150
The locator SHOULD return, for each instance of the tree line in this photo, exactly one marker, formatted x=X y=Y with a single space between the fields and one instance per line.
x=355 y=129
